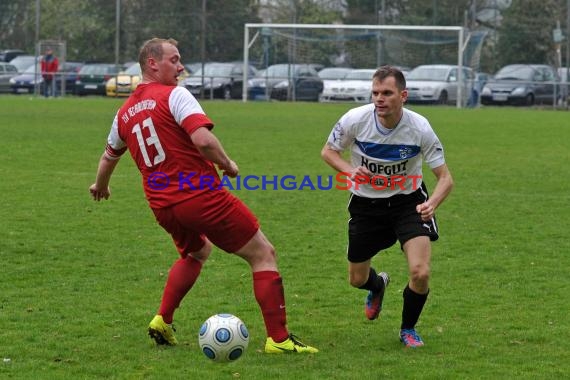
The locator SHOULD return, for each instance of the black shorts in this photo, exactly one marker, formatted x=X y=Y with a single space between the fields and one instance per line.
x=377 y=223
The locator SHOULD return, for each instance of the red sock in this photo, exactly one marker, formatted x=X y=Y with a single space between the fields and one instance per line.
x=181 y=277
x=268 y=290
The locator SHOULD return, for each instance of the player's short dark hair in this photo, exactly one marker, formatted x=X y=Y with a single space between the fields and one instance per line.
x=384 y=72
x=153 y=48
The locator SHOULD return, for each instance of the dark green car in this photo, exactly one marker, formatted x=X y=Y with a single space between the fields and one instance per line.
x=92 y=77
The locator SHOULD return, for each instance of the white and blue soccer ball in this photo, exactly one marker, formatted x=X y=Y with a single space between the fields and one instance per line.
x=223 y=338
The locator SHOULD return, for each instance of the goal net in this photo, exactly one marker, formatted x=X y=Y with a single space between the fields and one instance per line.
x=359 y=46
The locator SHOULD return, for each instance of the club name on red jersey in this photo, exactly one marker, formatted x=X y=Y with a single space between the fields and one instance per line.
x=147 y=104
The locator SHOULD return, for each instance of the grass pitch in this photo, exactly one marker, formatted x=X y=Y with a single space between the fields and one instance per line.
x=81 y=280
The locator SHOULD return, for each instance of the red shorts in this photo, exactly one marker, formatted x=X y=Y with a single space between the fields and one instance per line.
x=217 y=215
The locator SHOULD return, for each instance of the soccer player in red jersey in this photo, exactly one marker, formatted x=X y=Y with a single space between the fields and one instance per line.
x=170 y=139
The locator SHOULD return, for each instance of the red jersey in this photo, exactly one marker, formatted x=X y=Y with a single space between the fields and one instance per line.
x=155 y=124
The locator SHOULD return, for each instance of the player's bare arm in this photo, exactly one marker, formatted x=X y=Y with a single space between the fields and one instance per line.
x=333 y=157
x=441 y=191
x=210 y=147
x=100 y=189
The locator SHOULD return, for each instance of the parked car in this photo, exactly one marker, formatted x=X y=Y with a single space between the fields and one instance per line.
x=317 y=66
x=191 y=68
x=9 y=54
x=124 y=83
x=356 y=86
x=304 y=84
x=333 y=73
x=331 y=76
x=92 y=77
x=7 y=72
x=27 y=81
x=438 y=84
x=522 y=84
x=127 y=64
x=69 y=71
x=218 y=80
x=22 y=62
x=286 y=81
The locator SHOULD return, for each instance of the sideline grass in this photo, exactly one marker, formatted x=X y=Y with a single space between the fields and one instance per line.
x=81 y=281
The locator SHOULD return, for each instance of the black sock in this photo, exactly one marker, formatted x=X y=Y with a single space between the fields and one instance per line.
x=374 y=283
x=413 y=305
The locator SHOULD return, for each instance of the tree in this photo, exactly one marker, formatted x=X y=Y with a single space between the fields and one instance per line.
x=182 y=20
x=88 y=26
x=303 y=11
x=525 y=35
x=407 y=12
x=225 y=29
x=17 y=20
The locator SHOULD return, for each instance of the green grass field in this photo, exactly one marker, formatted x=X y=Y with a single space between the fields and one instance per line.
x=81 y=280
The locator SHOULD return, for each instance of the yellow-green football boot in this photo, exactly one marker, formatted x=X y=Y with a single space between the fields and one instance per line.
x=162 y=332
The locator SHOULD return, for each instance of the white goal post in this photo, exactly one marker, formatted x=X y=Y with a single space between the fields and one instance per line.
x=399 y=45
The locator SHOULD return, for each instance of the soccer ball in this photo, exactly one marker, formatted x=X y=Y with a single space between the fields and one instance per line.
x=223 y=338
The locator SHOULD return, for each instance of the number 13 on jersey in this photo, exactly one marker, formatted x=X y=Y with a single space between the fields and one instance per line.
x=149 y=141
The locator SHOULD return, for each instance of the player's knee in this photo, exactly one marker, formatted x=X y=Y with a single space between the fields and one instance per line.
x=203 y=253
x=263 y=255
x=355 y=283
x=356 y=280
x=268 y=252
x=208 y=246
x=420 y=274
x=270 y=249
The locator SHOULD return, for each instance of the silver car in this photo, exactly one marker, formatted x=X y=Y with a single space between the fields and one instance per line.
x=438 y=84
x=331 y=77
x=356 y=86
x=7 y=71
x=522 y=84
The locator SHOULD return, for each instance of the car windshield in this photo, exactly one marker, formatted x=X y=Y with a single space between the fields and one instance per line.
x=360 y=75
x=428 y=73
x=336 y=73
x=97 y=69
x=515 y=72
x=279 y=71
x=23 y=62
x=33 y=69
x=215 y=71
x=134 y=70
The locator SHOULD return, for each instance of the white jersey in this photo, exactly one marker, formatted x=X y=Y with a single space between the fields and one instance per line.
x=394 y=156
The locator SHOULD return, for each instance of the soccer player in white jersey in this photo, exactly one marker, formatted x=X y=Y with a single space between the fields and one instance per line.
x=389 y=201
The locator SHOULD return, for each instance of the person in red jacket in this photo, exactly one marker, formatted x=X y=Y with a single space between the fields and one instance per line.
x=49 y=66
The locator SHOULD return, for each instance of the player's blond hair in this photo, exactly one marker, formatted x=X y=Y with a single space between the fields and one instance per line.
x=153 y=48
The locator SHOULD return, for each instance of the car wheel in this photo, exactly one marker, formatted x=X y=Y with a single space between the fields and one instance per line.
x=227 y=93
x=529 y=100
x=442 y=98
